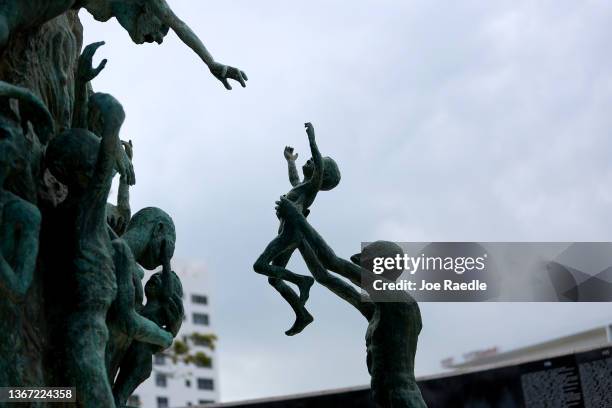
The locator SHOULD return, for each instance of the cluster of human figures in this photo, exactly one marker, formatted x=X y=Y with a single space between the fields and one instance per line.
x=72 y=305
x=72 y=301
x=394 y=318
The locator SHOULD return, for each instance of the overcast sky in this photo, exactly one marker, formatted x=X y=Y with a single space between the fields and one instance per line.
x=451 y=121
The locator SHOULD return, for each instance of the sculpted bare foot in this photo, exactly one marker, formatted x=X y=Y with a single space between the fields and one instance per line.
x=301 y=321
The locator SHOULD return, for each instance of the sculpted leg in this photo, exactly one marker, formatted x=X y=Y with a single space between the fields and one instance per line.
x=302 y=317
x=272 y=263
x=85 y=345
x=135 y=368
x=277 y=248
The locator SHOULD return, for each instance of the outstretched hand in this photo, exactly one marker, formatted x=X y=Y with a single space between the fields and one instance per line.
x=285 y=209
x=129 y=148
x=289 y=155
x=85 y=70
x=225 y=72
x=309 y=130
x=124 y=163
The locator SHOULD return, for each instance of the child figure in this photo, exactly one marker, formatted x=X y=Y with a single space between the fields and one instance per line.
x=164 y=307
x=320 y=173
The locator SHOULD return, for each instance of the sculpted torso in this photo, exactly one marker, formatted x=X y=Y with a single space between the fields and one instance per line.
x=388 y=330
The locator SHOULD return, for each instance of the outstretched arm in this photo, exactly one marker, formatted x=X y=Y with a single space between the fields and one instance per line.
x=341 y=288
x=222 y=72
x=93 y=208
x=359 y=276
x=85 y=74
x=291 y=157
x=317 y=175
x=287 y=211
x=123 y=196
x=119 y=216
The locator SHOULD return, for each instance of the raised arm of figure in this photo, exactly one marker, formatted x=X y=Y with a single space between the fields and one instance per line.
x=123 y=195
x=294 y=177
x=316 y=179
x=222 y=72
x=93 y=212
x=84 y=75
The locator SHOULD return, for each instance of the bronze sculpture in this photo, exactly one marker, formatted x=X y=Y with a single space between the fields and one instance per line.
x=144 y=20
x=394 y=323
x=72 y=264
x=19 y=223
x=320 y=174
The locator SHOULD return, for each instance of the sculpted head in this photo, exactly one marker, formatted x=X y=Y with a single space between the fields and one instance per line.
x=153 y=287
x=379 y=249
x=71 y=158
x=137 y=17
x=154 y=227
x=331 y=172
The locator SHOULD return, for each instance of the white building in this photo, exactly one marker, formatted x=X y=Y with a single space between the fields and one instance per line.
x=181 y=385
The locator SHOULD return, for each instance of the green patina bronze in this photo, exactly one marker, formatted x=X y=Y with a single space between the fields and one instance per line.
x=393 y=324
x=320 y=174
x=144 y=20
x=71 y=264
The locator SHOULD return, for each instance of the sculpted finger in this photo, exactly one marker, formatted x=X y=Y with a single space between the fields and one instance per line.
x=241 y=79
x=226 y=84
x=132 y=174
x=91 y=49
x=244 y=75
x=101 y=66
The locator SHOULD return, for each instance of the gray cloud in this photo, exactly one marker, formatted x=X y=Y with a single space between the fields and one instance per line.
x=450 y=121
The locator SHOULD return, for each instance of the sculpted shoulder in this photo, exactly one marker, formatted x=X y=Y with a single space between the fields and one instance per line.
x=19 y=210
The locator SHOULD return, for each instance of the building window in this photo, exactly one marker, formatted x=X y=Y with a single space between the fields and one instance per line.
x=187 y=383
x=203 y=362
x=205 y=384
x=134 y=401
x=199 y=299
x=202 y=402
x=200 y=318
x=200 y=340
x=161 y=380
x=159 y=359
x=162 y=402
